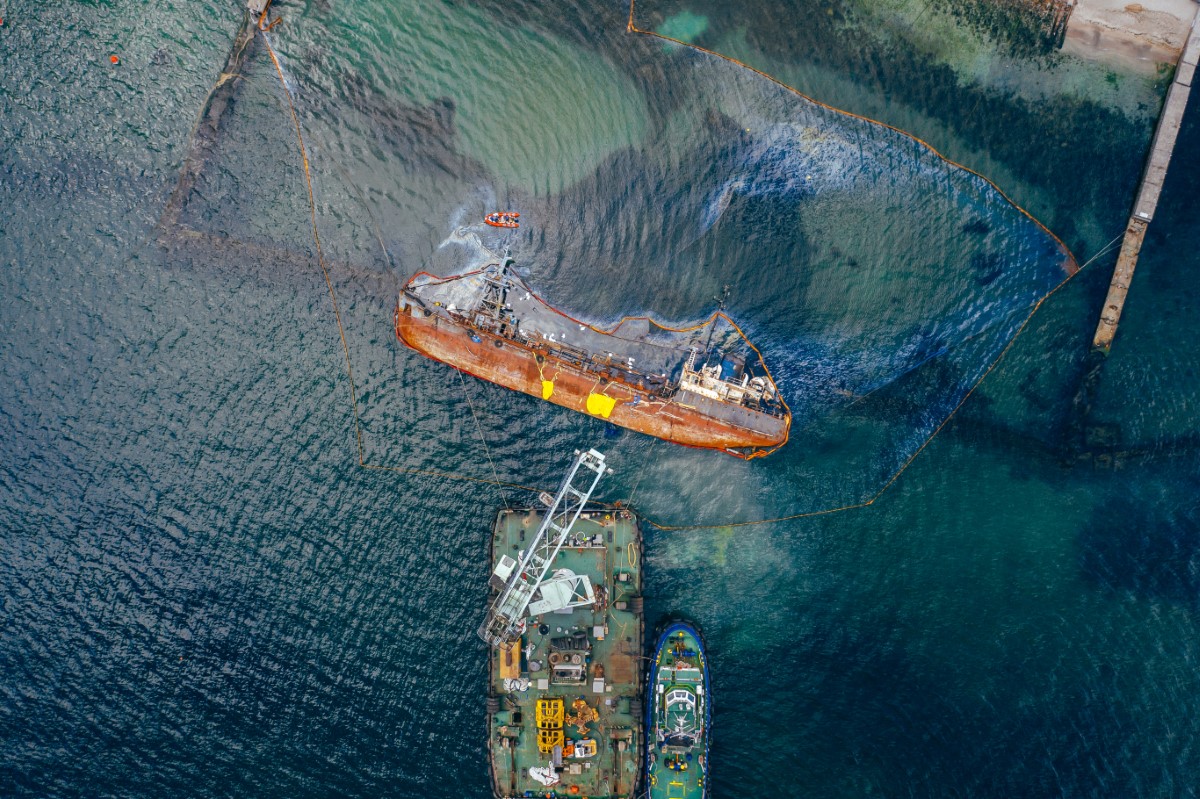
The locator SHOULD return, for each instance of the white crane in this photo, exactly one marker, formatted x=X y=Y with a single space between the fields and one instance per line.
x=524 y=589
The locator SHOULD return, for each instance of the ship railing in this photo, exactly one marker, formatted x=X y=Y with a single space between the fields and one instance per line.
x=754 y=399
x=651 y=383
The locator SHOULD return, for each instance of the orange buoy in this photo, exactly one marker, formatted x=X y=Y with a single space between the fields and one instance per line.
x=113 y=59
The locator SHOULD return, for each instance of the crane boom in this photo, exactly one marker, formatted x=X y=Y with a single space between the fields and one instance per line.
x=521 y=579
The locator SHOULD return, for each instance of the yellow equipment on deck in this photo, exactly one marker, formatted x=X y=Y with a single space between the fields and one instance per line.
x=583 y=714
x=549 y=714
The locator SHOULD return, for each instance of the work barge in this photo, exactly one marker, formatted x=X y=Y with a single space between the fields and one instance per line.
x=704 y=386
x=565 y=631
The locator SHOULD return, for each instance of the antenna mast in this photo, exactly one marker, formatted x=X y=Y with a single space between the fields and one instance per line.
x=720 y=307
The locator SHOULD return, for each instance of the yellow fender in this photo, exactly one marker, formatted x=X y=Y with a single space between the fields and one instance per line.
x=547 y=389
x=600 y=405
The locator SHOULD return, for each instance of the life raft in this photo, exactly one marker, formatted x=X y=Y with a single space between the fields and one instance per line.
x=503 y=219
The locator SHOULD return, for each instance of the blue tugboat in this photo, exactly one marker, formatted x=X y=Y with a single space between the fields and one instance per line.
x=679 y=716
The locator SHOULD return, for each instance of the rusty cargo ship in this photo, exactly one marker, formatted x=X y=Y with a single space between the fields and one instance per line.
x=704 y=386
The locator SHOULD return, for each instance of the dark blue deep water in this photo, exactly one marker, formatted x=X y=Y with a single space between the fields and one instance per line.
x=224 y=574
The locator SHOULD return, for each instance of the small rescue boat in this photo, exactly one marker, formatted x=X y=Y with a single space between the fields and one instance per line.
x=503 y=219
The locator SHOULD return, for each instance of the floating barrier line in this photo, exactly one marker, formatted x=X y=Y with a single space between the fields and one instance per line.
x=312 y=206
x=908 y=462
x=1072 y=265
x=1073 y=270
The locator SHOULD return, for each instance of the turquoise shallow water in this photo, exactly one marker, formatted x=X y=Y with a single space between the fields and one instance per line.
x=204 y=593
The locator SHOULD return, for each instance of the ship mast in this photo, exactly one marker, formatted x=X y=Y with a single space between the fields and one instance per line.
x=520 y=581
x=720 y=307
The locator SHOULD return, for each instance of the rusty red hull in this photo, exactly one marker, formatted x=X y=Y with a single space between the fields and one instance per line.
x=528 y=370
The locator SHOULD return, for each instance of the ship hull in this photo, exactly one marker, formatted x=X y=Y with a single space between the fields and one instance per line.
x=514 y=366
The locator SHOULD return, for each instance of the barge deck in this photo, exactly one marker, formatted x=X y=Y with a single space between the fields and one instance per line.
x=565 y=715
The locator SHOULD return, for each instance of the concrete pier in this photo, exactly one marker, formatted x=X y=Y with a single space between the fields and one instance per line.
x=1150 y=189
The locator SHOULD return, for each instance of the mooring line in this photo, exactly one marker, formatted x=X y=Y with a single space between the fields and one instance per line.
x=482 y=438
x=362 y=198
x=642 y=471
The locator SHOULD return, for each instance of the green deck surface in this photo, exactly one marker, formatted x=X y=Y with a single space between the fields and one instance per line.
x=677 y=771
x=614 y=770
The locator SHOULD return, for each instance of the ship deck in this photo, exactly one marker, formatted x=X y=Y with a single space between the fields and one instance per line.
x=677 y=766
x=636 y=347
x=612 y=672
